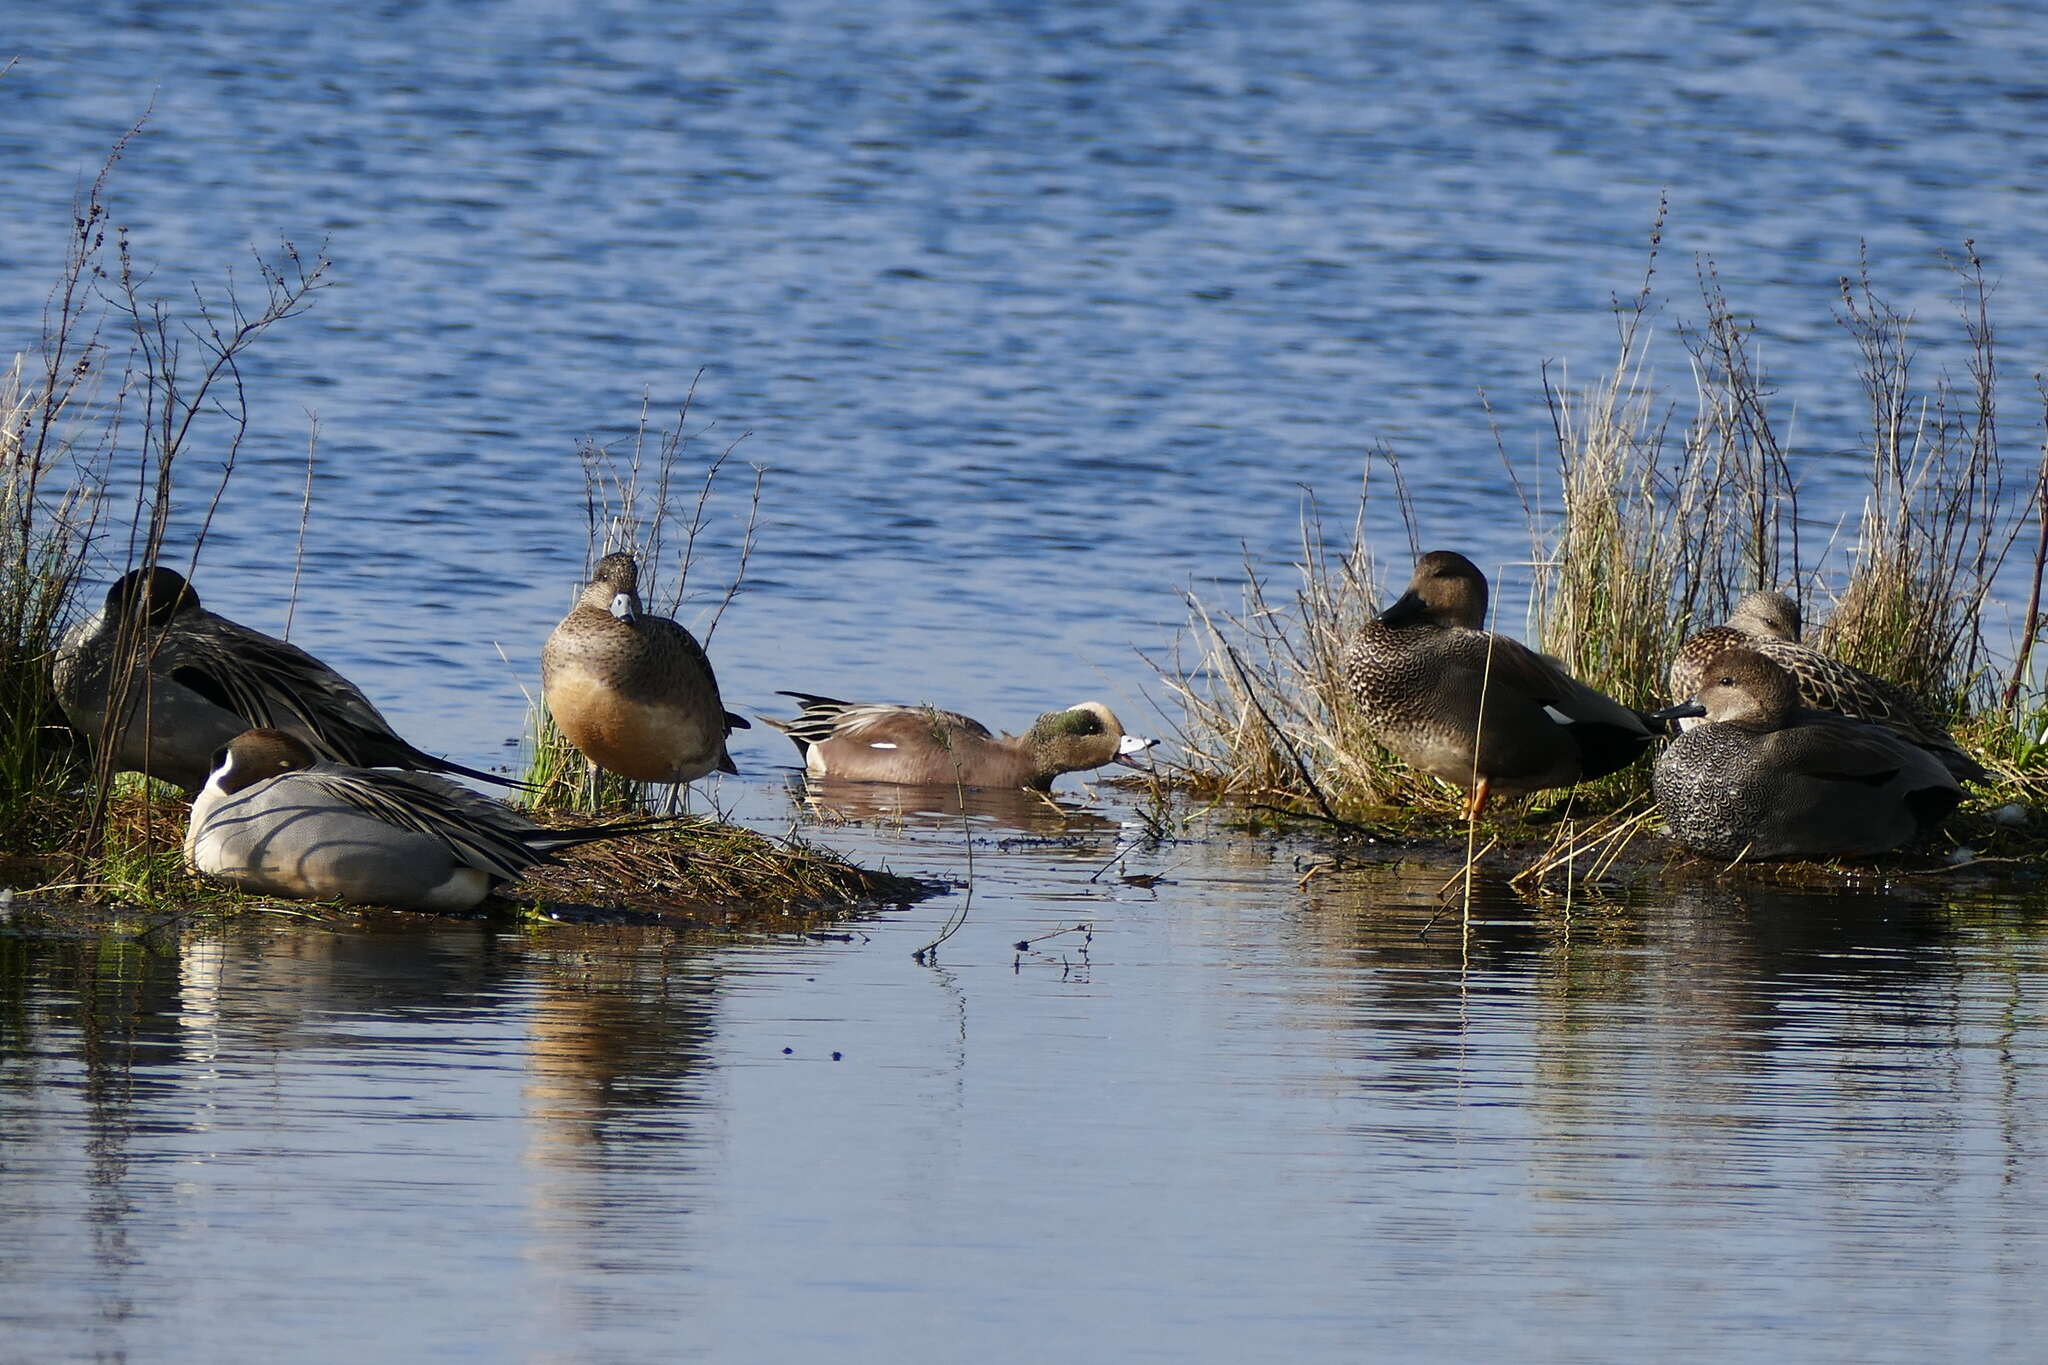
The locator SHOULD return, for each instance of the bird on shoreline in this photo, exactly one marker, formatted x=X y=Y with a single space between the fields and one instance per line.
x=1769 y=623
x=877 y=742
x=1765 y=777
x=633 y=691
x=1479 y=710
x=199 y=679
x=275 y=818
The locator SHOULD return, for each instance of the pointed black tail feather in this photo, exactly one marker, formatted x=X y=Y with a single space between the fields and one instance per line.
x=548 y=842
x=428 y=763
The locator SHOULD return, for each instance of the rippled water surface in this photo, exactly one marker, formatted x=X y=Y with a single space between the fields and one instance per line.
x=1034 y=313
x=1224 y=1120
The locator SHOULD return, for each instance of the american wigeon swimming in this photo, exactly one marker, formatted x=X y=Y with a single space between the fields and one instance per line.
x=199 y=679
x=1765 y=777
x=1769 y=623
x=1479 y=710
x=276 y=819
x=634 y=692
x=874 y=742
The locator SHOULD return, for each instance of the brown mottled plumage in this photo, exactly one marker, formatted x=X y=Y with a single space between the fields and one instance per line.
x=1478 y=710
x=1765 y=777
x=1759 y=622
x=634 y=692
x=872 y=742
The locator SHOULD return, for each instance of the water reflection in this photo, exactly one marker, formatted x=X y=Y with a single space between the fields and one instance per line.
x=620 y=1032
x=1747 y=947
x=360 y=1062
x=1564 y=1090
x=1714 y=1007
x=984 y=811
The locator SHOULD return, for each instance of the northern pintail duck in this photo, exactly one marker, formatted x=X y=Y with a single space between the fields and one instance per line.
x=1768 y=778
x=199 y=680
x=275 y=818
x=875 y=742
x=633 y=691
x=1769 y=623
x=1479 y=710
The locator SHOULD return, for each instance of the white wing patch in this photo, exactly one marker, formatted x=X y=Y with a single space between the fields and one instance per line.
x=1560 y=717
x=881 y=744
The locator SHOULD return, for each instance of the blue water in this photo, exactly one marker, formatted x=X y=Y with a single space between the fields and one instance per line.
x=1034 y=314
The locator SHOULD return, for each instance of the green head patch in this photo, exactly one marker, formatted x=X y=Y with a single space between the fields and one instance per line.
x=1069 y=724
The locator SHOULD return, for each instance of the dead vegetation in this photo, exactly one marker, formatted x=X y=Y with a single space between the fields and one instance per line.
x=1645 y=528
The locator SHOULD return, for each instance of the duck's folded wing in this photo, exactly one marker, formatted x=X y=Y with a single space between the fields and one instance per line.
x=823 y=718
x=1544 y=680
x=694 y=657
x=1837 y=748
x=482 y=833
x=1828 y=683
x=683 y=643
x=876 y=723
x=273 y=684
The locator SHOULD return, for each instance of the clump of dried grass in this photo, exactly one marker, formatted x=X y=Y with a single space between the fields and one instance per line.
x=1265 y=712
x=700 y=866
x=1653 y=537
x=1653 y=534
x=1935 y=524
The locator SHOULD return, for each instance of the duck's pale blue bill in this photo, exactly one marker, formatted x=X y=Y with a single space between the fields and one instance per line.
x=1685 y=710
x=1129 y=747
x=622 y=606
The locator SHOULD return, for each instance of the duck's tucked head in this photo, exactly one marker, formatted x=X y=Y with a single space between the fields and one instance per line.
x=1447 y=590
x=1772 y=615
x=614 y=587
x=255 y=755
x=154 y=595
x=1082 y=737
x=1740 y=687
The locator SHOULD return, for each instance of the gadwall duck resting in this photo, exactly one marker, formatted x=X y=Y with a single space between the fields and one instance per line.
x=274 y=818
x=634 y=692
x=1478 y=710
x=208 y=680
x=1768 y=778
x=1769 y=623
x=872 y=742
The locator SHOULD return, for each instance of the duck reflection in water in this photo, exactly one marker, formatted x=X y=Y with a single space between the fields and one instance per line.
x=941 y=806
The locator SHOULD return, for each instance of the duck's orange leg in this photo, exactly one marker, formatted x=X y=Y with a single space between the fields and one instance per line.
x=1476 y=802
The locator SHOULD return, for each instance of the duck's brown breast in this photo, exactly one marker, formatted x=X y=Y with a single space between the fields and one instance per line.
x=644 y=741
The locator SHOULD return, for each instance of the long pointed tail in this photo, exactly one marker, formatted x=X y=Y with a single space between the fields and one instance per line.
x=428 y=763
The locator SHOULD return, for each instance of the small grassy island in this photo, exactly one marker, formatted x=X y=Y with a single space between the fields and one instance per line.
x=1647 y=531
x=85 y=844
